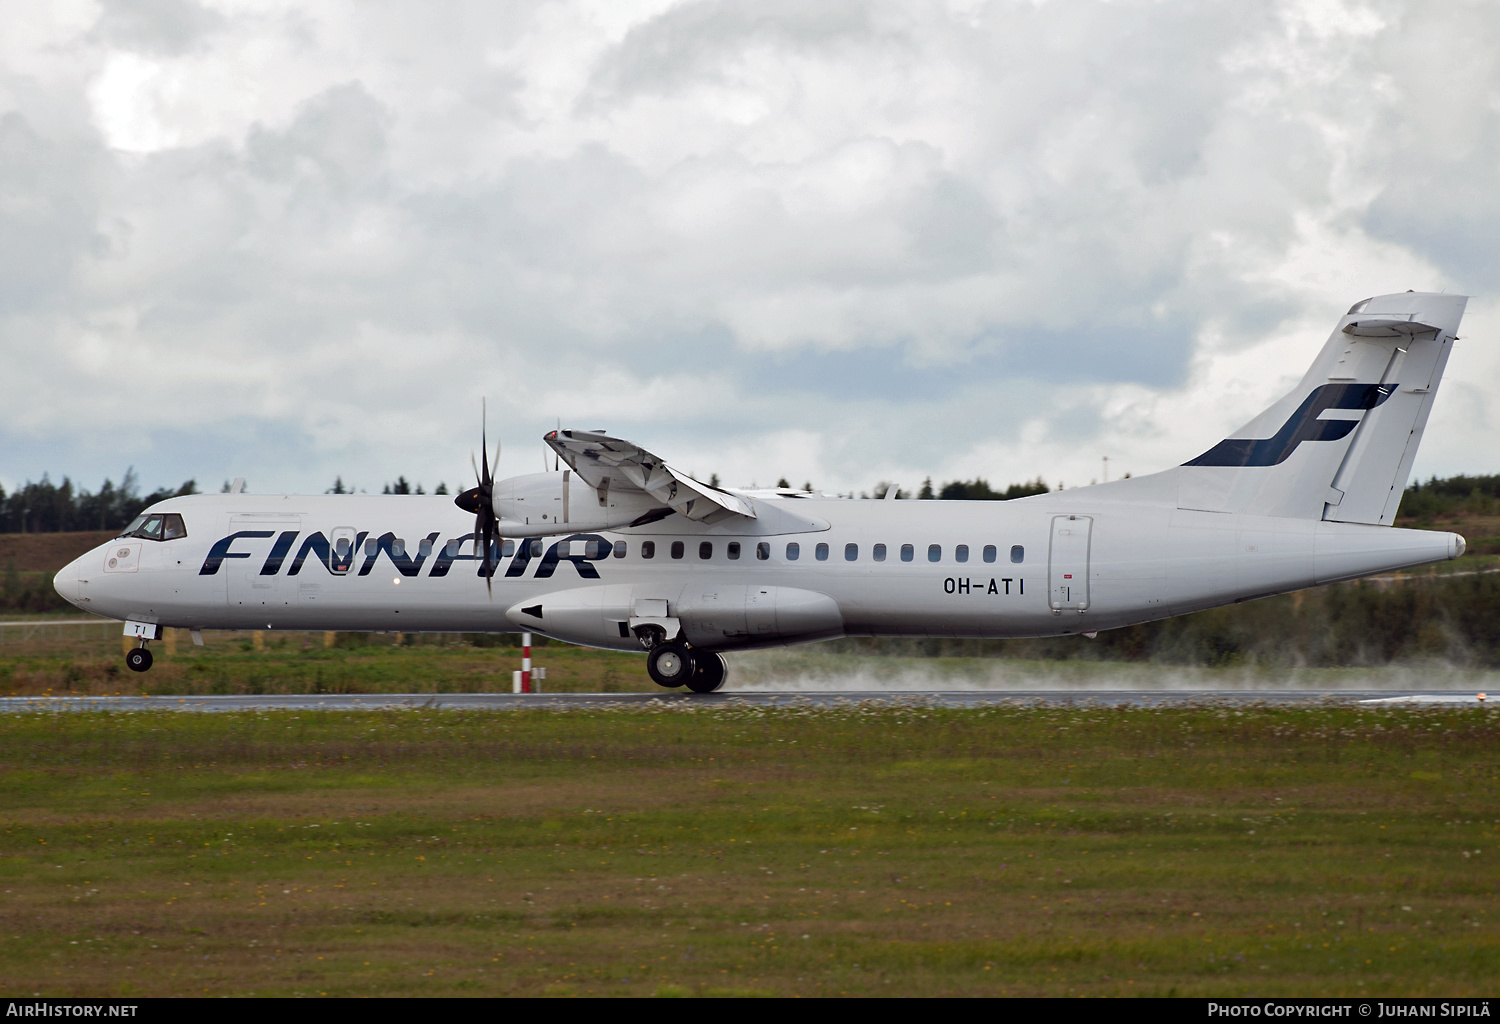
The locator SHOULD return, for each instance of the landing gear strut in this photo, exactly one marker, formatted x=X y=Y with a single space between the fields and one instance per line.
x=139 y=658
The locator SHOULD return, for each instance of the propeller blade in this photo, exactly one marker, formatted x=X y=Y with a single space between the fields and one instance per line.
x=481 y=501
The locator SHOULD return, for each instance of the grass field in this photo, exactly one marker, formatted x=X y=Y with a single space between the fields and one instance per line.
x=672 y=851
x=46 y=658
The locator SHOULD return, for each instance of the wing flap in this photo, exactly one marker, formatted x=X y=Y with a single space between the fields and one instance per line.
x=603 y=462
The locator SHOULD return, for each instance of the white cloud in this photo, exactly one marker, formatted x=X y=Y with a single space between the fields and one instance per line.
x=836 y=242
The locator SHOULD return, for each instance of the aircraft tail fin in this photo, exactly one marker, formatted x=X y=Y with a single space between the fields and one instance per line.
x=1340 y=445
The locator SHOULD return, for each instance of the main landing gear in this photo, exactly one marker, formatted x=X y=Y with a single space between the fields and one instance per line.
x=139 y=658
x=675 y=664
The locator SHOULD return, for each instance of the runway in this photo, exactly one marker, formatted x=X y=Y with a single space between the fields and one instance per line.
x=809 y=698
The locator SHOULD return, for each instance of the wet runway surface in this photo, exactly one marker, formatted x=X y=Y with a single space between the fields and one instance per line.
x=810 y=698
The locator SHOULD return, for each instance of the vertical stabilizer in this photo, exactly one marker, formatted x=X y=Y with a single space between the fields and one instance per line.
x=1340 y=446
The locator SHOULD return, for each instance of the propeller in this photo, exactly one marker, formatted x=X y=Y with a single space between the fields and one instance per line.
x=481 y=501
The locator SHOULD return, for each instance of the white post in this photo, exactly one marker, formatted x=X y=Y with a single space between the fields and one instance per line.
x=515 y=681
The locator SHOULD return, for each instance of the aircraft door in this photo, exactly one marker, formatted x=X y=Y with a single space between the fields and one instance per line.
x=260 y=581
x=341 y=549
x=1068 y=564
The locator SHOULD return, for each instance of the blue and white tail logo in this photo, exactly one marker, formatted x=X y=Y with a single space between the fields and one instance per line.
x=1302 y=425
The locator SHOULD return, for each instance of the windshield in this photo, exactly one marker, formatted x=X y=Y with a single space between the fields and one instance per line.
x=162 y=526
x=135 y=525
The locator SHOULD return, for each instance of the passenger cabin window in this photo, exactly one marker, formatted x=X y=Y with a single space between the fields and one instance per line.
x=1017 y=554
x=793 y=551
x=424 y=547
x=934 y=552
x=398 y=547
x=821 y=552
x=648 y=549
x=989 y=552
x=733 y=550
x=619 y=549
x=961 y=553
x=536 y=548
x=677 y=549
x=507 y=549
x=705 y=549
x=372 y=547
x=907 y=552
x=763 y=551
x=851 y=552
x=878 y=552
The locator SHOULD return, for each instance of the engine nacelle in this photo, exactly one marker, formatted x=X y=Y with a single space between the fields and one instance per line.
x=539 y=504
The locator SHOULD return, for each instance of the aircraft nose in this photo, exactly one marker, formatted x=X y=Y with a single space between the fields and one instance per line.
x=66 y=584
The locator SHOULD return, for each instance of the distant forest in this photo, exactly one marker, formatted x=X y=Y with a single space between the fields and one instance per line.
x=45 y=507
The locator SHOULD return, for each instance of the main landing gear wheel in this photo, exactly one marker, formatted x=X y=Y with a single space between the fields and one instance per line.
x=670 y=665
x=709 y=675
x=139 y=659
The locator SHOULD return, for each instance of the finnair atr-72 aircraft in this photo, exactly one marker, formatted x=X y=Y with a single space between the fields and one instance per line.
x=619 y=550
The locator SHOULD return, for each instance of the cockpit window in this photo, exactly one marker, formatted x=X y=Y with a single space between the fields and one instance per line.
x=162 y=526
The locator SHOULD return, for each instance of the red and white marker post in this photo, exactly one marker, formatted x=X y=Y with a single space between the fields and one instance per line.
x=525 y=662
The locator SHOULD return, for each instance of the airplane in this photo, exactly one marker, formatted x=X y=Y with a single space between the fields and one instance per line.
x=619 y=550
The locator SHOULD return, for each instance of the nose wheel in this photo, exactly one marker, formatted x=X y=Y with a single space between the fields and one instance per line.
x=139 y=658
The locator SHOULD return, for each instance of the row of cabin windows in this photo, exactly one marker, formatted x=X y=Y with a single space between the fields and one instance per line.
x=677 y=549
x=820 y=551
x=908 y=552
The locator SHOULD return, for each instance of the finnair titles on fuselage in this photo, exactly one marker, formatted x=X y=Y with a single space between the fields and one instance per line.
x=618 y=550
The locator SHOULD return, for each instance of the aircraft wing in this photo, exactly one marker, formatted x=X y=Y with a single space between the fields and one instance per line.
x=605 y=462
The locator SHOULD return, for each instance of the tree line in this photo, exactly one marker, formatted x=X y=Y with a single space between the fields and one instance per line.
x=45 y=507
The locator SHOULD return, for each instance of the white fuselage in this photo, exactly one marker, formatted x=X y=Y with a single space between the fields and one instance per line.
x=1068 y=562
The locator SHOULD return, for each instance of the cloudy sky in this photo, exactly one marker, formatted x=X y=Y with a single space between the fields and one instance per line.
x=836 y=241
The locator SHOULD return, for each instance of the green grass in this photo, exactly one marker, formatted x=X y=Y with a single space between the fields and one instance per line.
x=77 y=660
x=715 y=850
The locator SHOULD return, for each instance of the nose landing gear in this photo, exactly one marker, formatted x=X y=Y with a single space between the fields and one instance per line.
x=139 y=658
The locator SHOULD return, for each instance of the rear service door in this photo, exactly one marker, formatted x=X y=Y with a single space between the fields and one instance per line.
x=1068 y=563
